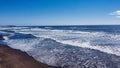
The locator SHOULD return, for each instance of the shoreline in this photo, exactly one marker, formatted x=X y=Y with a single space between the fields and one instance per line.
x=13 y=58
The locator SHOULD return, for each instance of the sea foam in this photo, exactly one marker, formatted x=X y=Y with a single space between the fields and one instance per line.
x=94 y=40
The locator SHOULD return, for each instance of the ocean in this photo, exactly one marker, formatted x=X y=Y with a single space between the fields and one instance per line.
x=85 y=46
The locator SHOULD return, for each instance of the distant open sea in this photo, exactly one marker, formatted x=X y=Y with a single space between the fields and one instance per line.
x=92 y=46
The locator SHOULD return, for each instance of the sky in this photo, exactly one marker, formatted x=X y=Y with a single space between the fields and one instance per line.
x=59 y=12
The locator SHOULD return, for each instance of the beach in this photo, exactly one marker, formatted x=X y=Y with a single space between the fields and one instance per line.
x=61 y=46
x=12 y=58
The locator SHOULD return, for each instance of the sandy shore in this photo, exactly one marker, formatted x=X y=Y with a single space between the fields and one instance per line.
x=12 y=58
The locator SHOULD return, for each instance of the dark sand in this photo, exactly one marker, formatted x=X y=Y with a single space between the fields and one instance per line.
x=12 y=58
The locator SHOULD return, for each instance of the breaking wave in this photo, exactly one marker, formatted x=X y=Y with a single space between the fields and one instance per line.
x=66 y=48
x=101 y=41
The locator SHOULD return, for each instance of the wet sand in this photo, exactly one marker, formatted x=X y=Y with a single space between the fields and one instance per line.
x=12 y=58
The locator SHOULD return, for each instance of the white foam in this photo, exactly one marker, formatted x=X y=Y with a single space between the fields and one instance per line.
x=5 y=37
x=60 y=35
x=82 y=39
x=107 y=49
x=23 y=44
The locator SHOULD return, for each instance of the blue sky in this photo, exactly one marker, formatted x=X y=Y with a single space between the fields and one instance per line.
x=59 y=12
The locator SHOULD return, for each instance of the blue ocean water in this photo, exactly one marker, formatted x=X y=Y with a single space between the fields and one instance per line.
x=89 y=28
x=92 y=46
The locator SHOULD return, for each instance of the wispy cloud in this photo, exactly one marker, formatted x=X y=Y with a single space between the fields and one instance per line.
x=116 y=14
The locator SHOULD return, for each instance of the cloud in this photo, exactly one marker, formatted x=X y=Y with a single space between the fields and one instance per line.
x=116 y=14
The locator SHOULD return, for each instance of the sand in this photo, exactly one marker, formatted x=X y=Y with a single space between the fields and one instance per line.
x=12 y=58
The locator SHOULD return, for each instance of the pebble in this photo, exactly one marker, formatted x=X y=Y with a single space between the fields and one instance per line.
x=0 y=59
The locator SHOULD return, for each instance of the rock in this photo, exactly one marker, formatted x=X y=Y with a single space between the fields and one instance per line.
x=1 y=37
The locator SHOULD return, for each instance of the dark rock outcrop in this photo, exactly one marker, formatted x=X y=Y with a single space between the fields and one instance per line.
x=1 y=37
